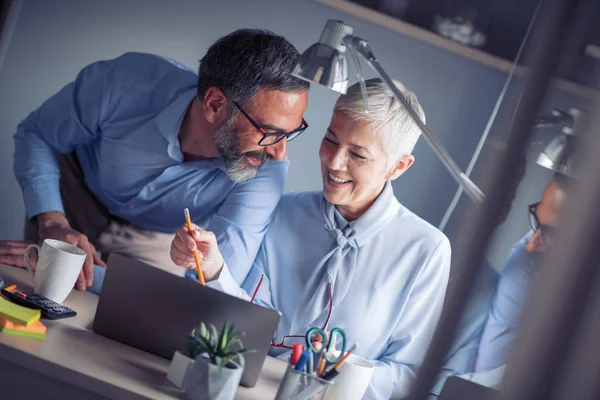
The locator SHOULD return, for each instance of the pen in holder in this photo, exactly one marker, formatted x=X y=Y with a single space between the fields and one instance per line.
x=297 y=385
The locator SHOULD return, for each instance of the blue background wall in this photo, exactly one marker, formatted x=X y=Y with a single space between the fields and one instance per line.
x=51 y=41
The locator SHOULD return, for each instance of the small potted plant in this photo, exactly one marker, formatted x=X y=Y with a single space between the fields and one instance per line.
x=213 y=363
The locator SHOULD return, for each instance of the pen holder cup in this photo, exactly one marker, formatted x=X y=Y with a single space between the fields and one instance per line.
x=297 y=385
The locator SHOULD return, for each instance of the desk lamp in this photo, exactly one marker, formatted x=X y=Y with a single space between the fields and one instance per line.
x=325 y=63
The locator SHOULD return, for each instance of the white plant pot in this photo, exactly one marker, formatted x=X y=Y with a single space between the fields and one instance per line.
x=207 y=382
x=180 y=370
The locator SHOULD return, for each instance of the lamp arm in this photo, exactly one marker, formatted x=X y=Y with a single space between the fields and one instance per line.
x=363 y=48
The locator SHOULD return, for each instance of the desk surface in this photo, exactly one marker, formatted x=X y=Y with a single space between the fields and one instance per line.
x=74 y=354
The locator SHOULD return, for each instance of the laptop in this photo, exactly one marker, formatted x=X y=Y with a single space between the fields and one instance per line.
x=457 y=388
x=153 y=310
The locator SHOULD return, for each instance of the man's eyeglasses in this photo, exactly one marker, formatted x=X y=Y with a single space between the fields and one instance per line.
x=547 y=232
x=270 y=138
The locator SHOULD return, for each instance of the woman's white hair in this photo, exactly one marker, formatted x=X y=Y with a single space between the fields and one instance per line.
x=388 y=118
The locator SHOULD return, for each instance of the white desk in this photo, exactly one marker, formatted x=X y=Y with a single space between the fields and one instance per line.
x=73 y=362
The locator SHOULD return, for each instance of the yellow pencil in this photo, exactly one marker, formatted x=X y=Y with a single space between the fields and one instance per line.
x=188 y=221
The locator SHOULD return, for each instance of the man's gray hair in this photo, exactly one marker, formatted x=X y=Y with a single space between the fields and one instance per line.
x=388 y=118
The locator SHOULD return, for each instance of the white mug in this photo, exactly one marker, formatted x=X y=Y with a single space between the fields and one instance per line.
x=57 y=269
x=352 y=381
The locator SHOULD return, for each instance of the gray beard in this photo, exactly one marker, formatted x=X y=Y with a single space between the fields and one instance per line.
x=228 y=145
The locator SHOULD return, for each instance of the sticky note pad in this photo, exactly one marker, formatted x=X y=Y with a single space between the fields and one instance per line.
x=34 y=327
x=32 y=335
x=18 y=314
x=35 y=330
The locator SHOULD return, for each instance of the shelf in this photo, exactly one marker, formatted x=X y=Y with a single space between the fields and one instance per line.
x=441 y=42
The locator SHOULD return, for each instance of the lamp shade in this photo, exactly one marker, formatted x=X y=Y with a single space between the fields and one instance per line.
x=325 y=62
x=558 y=154
x=324 y=65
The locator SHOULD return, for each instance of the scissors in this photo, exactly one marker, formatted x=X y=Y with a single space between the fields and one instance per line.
x=327 y=349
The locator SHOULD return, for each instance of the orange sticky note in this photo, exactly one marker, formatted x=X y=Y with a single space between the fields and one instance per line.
x=35 y=327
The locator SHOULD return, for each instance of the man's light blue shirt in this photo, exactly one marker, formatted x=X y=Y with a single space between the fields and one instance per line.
x=395 y=294
x=122 y=118
x=502 y=327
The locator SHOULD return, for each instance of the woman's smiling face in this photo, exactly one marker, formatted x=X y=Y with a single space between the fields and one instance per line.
x=354 y=165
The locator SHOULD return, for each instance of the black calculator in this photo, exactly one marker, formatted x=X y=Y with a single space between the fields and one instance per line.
x=49 y=309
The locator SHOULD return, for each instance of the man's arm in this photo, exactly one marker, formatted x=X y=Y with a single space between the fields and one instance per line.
x=501 y=327
x=71 y=117
x=397 y=368
x=242 y=220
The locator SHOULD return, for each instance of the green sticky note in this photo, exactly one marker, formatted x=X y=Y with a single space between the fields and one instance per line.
x=18 y=314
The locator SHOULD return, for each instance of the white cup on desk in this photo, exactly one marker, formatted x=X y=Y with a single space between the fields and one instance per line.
x=57 y=269
x=352 y=381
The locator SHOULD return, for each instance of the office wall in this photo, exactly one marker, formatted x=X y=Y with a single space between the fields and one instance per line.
x=53 y=40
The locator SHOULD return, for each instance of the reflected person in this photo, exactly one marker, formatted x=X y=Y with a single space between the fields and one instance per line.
x=518 y=275
x=462 y=356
